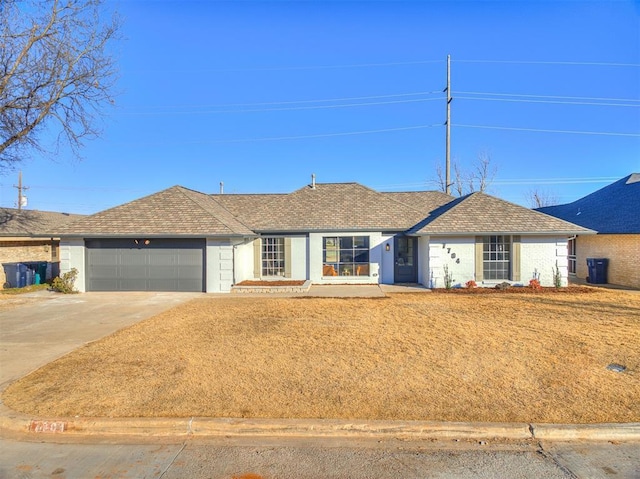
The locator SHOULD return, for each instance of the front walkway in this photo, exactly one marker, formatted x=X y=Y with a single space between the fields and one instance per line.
x=341 y=291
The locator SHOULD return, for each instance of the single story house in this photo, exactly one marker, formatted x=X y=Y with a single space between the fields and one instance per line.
x=614 y=212
x=328 y=233
x=26 y=237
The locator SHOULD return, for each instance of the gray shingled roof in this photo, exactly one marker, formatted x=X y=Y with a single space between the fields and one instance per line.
x=333 y=207
x=423 y=201
x=176 y=211
x=479 y=213
x=614 y=209
x=28 y=223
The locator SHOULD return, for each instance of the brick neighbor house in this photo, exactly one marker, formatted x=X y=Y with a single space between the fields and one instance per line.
x=614 y=212
x=26 y=236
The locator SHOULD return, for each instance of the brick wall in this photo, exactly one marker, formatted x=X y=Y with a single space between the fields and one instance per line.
x=623 y=252
x=540 y=256
x=19 y=251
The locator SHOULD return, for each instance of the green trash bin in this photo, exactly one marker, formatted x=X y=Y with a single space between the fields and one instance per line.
x=41 y=273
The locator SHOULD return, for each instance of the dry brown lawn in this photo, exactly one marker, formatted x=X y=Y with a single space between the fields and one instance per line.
x=454 y=357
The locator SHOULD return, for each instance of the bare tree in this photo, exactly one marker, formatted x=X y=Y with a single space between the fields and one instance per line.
x=478 y=178
x=483 y=173
x=538 y=198
x=56 y=73
x=440 y=181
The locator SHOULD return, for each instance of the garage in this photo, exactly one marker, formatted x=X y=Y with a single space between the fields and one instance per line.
x=145 y=264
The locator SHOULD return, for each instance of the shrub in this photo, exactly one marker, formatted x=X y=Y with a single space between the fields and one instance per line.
x=64 y=283
x=448 y=277
x=471 y=284
x=535 y=284
x=557 y=276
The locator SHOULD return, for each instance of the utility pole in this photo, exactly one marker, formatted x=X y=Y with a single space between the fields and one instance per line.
x=448 y=137
x=21 y=198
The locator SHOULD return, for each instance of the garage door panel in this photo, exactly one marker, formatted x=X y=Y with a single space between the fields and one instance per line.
x=132 y=258
x=163 y=265
x=164 y=285
x=100 y=271
x=98 y=284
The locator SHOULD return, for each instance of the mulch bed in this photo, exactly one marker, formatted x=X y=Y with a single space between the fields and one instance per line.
x=519 y=290
x=270 y=283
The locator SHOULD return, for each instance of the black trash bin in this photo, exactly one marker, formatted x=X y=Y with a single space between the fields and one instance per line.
x=597 y=268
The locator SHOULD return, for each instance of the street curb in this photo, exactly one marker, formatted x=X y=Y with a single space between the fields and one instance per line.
x=231 y=427
x=587 y=432
x=11 y=421
x=359 y=429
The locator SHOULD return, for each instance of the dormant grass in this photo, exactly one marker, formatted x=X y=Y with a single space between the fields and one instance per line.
x=454 y=357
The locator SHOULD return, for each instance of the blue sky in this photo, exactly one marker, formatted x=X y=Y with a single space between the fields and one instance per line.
x=260 y=95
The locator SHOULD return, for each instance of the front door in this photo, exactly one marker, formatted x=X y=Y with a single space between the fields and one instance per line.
x=406 y=259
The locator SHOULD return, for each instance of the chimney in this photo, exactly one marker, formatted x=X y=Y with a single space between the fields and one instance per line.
x=221 y=187
x=313 y=181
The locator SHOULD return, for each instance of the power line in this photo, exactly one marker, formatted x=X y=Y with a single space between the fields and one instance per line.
x=526 y=62
x=576 y=132
x=557 y=102
x=555 y=181
x=383 y=64
x=294 y=108
x=515 y=181
x=79 y=188
x=547 y=96
x=324 y=100
x=298 y=137
x=293 y=68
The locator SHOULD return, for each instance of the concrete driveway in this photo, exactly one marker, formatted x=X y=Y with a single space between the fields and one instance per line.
x=52 y=324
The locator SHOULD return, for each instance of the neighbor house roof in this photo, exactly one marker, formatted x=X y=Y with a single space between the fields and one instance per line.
x=176 y=211
x=479 y=213
x=32 y=223
x=614 y=209
x=332 y=207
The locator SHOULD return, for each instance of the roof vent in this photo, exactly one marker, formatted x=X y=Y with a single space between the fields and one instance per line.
x=313 y=181
x=634 y=178
x=222 y=187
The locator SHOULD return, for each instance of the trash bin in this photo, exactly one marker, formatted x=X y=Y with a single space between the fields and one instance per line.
x=22 y=275
x=41 y=273
x=12 y=275
x=597 y=268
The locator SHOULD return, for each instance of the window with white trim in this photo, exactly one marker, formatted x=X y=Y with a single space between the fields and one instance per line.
x=496 y=257
x=345 y=256
x=571 y=257
x=273 y=256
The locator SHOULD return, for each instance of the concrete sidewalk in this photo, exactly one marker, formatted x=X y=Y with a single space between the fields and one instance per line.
x=32 y=335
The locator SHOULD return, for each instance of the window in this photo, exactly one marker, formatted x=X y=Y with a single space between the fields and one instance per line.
x=272 y=256
x=496 y=257
x=345 y=256
x=572 y=255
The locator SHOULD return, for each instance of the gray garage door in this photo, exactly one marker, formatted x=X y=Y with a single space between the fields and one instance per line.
x=160 y=265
